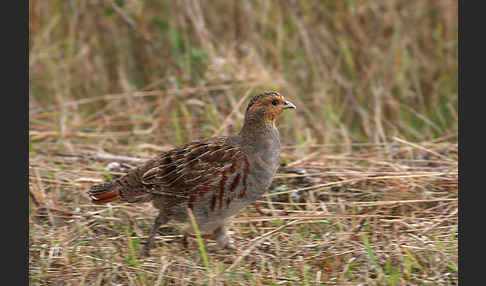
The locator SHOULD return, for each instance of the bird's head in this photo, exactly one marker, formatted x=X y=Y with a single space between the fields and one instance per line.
x=267 y=106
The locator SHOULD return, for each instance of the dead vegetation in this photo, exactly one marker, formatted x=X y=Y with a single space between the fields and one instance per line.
x=367 y=193
x=378 y=215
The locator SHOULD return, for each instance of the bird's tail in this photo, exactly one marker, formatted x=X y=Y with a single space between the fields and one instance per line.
x=104 y=193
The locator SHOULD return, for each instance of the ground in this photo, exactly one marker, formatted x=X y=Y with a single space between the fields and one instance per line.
x=381 y=215
x=367 y=190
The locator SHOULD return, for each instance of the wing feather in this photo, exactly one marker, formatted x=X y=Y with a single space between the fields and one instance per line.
x=194 y=168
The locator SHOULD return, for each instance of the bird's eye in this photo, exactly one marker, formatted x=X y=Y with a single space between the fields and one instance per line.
x=275 y=102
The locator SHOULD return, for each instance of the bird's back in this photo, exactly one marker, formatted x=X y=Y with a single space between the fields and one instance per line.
x=214 y=177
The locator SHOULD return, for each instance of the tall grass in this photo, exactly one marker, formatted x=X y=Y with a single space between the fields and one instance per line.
x=357 y=70
x=132 y=78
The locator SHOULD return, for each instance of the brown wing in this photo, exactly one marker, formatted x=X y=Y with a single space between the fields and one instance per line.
x=198 y=168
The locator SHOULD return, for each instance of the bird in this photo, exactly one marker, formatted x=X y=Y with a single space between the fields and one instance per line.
x=214 y=178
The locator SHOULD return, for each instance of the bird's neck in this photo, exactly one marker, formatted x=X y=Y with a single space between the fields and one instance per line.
x=261 y=138
x=259 y=128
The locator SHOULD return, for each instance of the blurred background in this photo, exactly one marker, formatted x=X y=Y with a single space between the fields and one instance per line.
x=369 y=158
x=166 y=72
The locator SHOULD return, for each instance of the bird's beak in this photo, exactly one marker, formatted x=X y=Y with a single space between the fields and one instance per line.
x=288 y=104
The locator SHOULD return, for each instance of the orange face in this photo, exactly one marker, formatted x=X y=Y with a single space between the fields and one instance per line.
x=272 y=104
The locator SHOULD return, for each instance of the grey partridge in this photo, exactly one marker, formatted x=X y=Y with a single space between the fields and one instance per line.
x=215 y=178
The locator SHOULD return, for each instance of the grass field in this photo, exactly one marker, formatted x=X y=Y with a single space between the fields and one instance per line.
x=367 y=189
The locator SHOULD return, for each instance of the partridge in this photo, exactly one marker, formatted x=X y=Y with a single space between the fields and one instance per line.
x=215 y=177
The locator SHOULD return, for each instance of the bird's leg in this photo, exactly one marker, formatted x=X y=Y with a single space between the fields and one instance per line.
x=223 y=239
x=160 y=220
x=185 y=241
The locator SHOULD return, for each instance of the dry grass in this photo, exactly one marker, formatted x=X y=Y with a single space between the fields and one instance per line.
x=377 y=215
x=367 y=191
x=357 y=70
